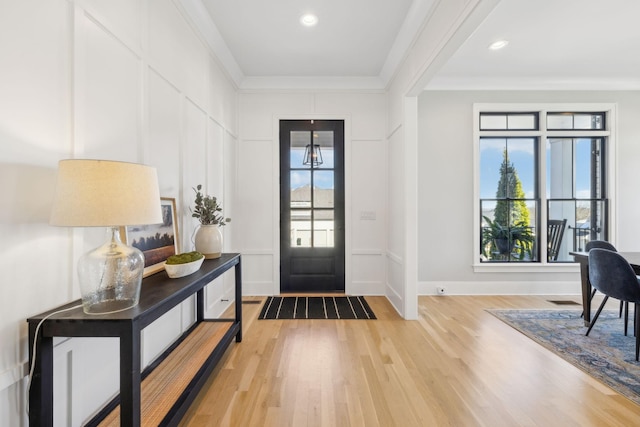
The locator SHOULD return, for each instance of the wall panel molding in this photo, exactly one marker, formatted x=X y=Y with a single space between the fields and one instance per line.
x=363 y=287
x=375 y=252
x=132 y=47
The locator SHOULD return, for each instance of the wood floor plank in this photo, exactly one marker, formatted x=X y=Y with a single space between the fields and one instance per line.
x=456 y=365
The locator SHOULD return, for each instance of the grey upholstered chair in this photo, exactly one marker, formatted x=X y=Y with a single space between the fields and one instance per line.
x=612 y=275
x=603 y=244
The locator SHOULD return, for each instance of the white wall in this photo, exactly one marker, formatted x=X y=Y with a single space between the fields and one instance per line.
x=445 y=182
x=121 y=80
x=258 y=183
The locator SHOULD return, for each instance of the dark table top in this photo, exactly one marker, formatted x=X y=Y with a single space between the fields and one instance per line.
x=158 y=291
x=632 y=258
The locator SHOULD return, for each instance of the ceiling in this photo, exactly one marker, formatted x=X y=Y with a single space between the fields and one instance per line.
x=267 y=39
x=568 y=44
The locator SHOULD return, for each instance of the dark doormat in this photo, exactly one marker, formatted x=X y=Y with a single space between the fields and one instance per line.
x=316 y=308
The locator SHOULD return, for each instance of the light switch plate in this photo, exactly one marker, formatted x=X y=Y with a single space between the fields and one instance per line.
x=367 y=215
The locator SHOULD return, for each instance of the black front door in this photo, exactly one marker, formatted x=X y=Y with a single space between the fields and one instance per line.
x=312 y=206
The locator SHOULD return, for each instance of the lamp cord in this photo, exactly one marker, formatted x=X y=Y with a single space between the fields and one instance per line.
x=35 y=340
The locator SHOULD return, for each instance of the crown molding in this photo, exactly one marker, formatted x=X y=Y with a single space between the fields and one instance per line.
x=532 y=83
x=311 y=83
x=198 y=16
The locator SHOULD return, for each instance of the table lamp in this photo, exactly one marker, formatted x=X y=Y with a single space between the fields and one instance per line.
x=103 y=193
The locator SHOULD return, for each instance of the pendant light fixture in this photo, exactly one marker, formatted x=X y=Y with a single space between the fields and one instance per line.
x=312 y=155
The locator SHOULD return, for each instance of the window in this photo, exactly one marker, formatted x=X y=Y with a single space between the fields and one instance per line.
x=541 y=183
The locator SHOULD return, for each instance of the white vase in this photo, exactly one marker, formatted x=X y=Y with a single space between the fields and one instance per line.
x=208 y=241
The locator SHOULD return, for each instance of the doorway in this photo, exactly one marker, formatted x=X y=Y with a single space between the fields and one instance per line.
x=312 y=206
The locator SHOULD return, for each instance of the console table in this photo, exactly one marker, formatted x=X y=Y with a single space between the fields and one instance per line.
x=158 y=295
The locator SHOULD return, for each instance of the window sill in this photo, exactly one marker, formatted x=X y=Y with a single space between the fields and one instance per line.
x=514 y=267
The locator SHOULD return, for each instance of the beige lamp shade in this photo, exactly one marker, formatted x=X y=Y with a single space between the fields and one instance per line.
x=104 y=193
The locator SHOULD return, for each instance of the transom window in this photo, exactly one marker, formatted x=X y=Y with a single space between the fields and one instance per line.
x=541 y=184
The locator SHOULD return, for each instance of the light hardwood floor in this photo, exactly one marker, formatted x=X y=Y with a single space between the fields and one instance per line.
x=456 y=365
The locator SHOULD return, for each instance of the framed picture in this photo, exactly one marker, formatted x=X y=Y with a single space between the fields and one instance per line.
x=156 y=241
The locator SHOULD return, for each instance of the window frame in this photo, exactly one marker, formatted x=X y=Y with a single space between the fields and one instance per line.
x=542 y=134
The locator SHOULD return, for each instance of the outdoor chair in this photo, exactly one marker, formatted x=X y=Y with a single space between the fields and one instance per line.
x=612 y=275
x=555 y=231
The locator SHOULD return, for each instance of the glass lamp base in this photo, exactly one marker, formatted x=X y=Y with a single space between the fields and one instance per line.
x=110 y=276
x=107 y=306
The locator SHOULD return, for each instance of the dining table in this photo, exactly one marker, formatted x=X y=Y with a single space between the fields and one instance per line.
x=633 y=258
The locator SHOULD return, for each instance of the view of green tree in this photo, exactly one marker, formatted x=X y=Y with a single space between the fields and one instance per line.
x=510 y=212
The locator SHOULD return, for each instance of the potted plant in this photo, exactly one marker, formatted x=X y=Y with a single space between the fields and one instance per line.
x=208 y=238
x=507 y=240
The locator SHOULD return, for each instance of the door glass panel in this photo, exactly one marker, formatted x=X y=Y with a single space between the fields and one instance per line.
x=300 y=228
x=300 y=189
x=299 y=142
x=323 y=189
x=323 y=227
x=324 y=140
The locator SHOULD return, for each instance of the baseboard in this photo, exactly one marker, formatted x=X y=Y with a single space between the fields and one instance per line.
x=13 y=375
x=500 y=288
x=365 y=288
x=257 y=288
x=395 y=299
x=354 y=288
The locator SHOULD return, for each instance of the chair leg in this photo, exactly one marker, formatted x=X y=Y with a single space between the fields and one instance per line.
x=593 y=321
x=593 y=292
x=621 y=305
x=626 y=317
x=637 y=327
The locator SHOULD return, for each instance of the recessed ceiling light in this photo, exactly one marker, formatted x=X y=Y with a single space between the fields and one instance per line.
x=309 y=20
x=498 y=44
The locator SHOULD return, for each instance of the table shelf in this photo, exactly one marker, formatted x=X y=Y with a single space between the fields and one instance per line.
x=169 y=380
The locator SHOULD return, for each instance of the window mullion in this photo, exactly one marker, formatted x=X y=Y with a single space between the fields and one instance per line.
x=544 y=197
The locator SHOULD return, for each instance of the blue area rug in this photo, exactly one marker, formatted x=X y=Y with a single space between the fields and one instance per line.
x=606 y=354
